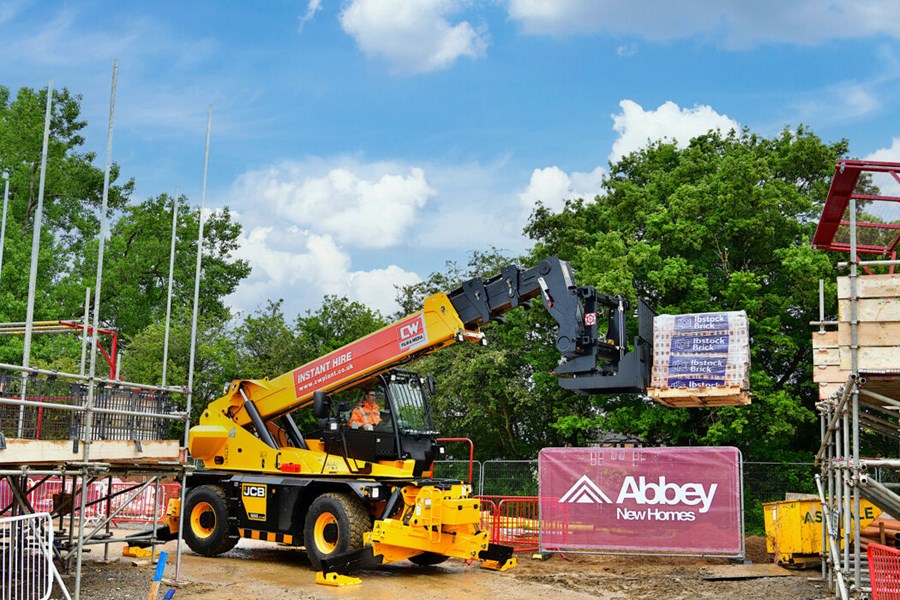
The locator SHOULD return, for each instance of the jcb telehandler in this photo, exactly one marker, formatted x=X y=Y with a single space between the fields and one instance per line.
x=358 y=497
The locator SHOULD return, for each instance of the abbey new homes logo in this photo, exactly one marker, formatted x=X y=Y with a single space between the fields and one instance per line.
x=653 y=501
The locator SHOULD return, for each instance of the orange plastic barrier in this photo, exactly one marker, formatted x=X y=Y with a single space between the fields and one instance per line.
x=884 y=572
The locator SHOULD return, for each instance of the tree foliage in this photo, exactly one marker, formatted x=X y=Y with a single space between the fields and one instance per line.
x=137 y=250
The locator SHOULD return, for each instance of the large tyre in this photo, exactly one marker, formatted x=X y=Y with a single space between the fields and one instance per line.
x=207 y=528
x=428 y=559
x=334 y=524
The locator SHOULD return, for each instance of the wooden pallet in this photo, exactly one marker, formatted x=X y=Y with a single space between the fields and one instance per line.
x=699 y=397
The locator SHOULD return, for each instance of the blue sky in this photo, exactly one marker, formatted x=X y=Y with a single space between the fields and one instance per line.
x=362 y=143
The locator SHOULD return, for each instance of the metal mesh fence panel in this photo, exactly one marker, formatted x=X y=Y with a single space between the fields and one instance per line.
x=509 y=478
x=769 y=482
x=458 y=469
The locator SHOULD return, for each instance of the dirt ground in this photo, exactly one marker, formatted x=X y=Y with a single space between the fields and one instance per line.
x=256 y=570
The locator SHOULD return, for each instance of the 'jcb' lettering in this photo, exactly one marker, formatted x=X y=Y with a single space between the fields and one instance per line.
x=255 y=491
x=410 y=330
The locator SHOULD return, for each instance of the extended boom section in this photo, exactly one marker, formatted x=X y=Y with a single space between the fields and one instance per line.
x=595 y=362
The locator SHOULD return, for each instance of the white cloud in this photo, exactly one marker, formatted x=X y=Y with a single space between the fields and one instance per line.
x=302 y=267
x=415 y=36
x=732 y=24
x=636 y=126
x=858 y=100
x=366 y=206
x=626 y=50
x=312 y=8
x=552 y=187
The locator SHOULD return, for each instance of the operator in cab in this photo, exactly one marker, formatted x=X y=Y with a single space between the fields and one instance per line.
x=367 y=414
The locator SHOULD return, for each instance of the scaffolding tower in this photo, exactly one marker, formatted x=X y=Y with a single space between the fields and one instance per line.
x=66 y=439
x=857 y=366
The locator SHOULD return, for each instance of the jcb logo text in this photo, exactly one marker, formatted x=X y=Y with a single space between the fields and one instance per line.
x=255 y=491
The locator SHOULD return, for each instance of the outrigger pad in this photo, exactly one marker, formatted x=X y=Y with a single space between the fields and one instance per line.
x=497 y=557
x=351 y=561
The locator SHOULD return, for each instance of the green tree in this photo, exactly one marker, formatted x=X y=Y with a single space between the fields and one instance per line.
x=136 y=273
x=268 y=345
x=72 y=198
x=723 y=224
x=336 y=323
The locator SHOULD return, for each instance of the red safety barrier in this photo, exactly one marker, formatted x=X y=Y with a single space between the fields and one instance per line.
x=488 y=509
x=517 y=523
x=884 y=572
x=144 y=508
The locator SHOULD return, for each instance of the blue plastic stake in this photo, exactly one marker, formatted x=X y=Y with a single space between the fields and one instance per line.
x=160 y=566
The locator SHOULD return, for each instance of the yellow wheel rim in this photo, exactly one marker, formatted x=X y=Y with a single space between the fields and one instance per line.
x=326 y=533
x=203 y=519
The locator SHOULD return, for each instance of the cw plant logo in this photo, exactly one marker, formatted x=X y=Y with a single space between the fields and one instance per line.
x=585 y=491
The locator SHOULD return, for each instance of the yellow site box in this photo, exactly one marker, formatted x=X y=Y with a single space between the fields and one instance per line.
x=794 y=529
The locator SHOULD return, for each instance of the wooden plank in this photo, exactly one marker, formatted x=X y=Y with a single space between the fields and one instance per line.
x=830 y=374
x=20 y=451
x=870 y=286
x=827 y=389
x=824 y=357
x=885 y=333
x=828 y=339
x=871 y=309
x=873 y=358
x=754 y=571
x=683 y=397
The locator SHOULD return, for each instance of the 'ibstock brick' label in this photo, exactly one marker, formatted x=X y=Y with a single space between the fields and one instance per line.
x=697 y=365
x=686 y=344
x=702 y=322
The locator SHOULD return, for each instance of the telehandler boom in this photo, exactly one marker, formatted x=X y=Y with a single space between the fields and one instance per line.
x=358 y=497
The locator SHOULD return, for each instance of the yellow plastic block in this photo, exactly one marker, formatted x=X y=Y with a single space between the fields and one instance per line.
x=136 y=552
x=495 y=565
x=336 y=580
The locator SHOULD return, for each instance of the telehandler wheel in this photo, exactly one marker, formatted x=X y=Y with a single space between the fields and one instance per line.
x=334 y=524
x=207 y=529
x=428 y=559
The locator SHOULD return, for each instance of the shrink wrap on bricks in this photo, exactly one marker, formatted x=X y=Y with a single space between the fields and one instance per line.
x=701 y=350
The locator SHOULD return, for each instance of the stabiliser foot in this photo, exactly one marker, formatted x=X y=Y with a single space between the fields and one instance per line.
x=497 y=557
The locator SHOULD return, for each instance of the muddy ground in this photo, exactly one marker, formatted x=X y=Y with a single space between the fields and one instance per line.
x=254 y=570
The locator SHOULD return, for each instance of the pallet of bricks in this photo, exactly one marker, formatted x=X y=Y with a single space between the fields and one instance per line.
x=701 y=359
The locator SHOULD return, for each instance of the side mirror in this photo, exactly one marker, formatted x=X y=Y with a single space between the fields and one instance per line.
x=429 y=379
x=321 y=405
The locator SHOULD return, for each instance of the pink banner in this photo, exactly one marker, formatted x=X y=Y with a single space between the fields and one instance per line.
x=662 y=500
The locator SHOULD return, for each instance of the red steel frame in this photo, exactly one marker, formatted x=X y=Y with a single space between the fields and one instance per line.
x=843 y=186
x=113 y=345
